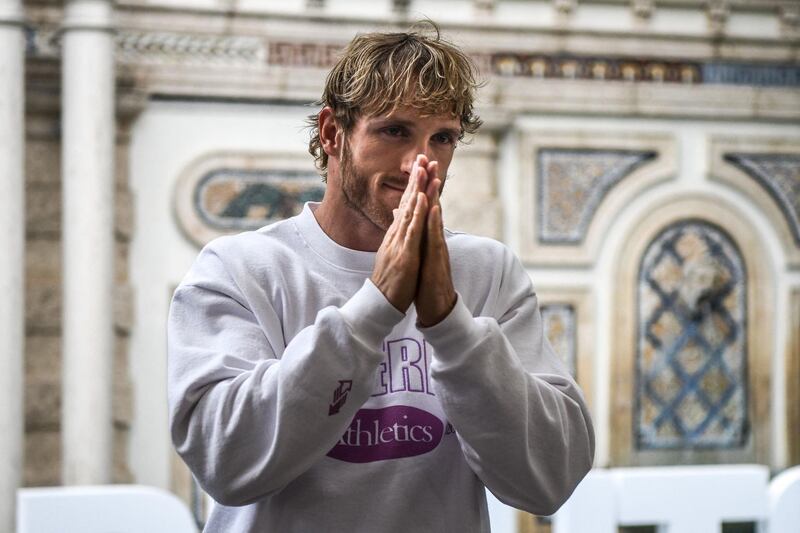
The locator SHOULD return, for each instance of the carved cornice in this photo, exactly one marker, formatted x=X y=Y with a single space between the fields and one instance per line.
x=159 y=47
x=164 y=47
x=210 y=54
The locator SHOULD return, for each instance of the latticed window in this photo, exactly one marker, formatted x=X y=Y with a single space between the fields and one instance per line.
x=691 y=359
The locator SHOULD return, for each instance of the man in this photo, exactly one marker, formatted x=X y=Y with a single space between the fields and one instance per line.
x=358 y=368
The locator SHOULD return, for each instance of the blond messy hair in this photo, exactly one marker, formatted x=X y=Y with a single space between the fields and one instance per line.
x=378 y=72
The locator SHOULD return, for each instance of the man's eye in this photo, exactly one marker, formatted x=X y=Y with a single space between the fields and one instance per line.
x=394 y=131
x=444 y=138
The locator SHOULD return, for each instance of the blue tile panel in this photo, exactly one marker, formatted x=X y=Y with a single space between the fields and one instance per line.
x=560 y=329
x=571 y=185
x=238 y=199
x=752 y=74
x=691 y=358
x=779 y=175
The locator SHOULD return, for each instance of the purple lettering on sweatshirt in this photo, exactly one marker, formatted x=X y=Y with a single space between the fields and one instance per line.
x=388 y=433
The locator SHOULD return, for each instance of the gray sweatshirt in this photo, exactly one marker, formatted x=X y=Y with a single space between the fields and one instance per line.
x=303 y=401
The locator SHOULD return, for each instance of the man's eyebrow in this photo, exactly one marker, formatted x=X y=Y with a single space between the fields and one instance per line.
x=394 y=120
x=412 y=124
x=455 y=132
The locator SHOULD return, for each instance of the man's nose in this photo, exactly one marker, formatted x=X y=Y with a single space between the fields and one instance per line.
x=423 y=148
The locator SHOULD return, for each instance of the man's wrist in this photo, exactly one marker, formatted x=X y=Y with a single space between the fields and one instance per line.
x=424 y=321
x=369 y=308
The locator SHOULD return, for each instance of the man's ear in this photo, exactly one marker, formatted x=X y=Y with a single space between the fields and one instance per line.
x=330 y=134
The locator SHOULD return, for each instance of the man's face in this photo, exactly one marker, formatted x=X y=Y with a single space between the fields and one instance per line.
x=378 y=155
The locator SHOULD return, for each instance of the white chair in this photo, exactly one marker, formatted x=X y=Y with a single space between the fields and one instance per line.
x=591 y=508
x=101 y=509
x=677 y=499
x=784 y=503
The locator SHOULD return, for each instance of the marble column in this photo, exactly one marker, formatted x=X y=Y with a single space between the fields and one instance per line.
x=88 y=129
x=12 y=258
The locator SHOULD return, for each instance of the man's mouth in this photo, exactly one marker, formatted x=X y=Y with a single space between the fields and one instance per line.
x=395 y=186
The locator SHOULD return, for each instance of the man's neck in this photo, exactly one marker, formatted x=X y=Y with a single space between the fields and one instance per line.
x=348 y=227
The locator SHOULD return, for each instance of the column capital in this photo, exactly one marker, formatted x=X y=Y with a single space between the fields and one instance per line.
x=88 y=15
x=11 y=14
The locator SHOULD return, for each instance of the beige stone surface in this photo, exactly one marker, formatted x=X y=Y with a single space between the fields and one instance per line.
x=42 y=261
x=122 y=400
x=123 y=214
x=475 y=216
x=43 y=307
x=121 y=161
x=43 y=210
x=121 y=266
x=123 y=308
x=120 y=470
x=42 y=458
x=469 y=201
x=42 y=383
x=42 y=161
x=793 y=378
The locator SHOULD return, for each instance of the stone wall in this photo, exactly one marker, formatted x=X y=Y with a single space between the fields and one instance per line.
x=44 y=290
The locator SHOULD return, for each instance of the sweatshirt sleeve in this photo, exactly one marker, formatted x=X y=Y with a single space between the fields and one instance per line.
x=245 y=422
x=521 y=419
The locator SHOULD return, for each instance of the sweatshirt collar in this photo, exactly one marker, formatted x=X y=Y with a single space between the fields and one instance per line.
x=330 y=251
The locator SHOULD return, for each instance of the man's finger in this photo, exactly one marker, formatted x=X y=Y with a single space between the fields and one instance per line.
x=432 y=191
x=412 y=180
x=417 y=225
x=433 y=171
x=422 y=177
x=406 y=216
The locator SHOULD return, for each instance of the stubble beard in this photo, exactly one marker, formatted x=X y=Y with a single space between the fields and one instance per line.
x=355 y=189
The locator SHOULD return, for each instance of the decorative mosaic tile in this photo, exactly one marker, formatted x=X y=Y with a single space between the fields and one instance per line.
x=571 y=185
x=228 y=198
x=691 y=361
x=560 y=328
x=779 y=175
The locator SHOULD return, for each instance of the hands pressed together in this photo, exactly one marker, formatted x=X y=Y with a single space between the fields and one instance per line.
x=412 y=264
